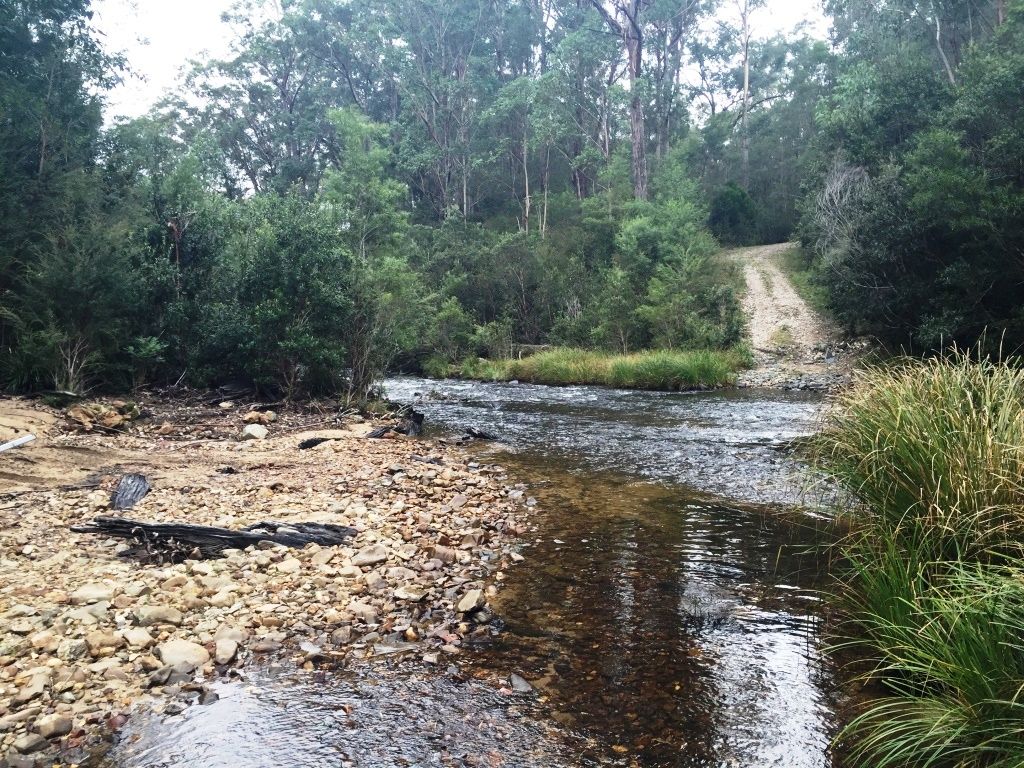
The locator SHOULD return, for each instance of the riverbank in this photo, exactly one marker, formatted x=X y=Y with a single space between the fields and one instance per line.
x=90 y=636
x=662 y=370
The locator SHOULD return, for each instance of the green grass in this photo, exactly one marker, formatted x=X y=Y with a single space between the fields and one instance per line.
x=657 y=370
x=795 y=264
x=935 y=449
x=934 y=596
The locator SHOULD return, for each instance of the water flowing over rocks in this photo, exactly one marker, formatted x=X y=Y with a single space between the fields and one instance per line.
x=87 y=635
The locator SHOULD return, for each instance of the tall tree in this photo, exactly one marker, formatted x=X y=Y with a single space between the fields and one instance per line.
x=624 y=20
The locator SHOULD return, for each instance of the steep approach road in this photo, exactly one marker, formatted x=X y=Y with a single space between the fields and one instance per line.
x=794 y=346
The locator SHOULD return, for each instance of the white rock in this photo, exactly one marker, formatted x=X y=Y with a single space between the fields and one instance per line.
x=291 y=565
x=175 y=652
x=371 y=555
x=92 y=593
x=148 y=615
x=363 y=611
x=53 y=726
x=470 y=601
x=225 y=651
x=255 y=432
x=410 y=592
x=137 y=637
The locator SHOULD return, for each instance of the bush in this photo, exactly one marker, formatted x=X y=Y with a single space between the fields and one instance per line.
x=734 y=216
x=933 y=451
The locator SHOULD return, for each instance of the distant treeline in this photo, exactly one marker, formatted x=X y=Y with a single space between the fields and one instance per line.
x=386 y=183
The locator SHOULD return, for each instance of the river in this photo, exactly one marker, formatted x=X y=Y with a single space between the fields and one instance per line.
x=667 y=612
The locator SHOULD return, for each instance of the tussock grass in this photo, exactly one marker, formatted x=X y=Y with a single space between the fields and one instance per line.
x=657 y=370
x=936 y=450
x=934 y=453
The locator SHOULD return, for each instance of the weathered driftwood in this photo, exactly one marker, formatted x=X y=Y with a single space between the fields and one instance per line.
x=130 y=489
x=411 y=425
x=16 y=442
x=313 y=442
x=178 y=541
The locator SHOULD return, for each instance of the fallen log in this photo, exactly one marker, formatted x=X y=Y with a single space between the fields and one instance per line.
x=313 y=442
x=479 y=434
x=412 y=426
x=181 y=541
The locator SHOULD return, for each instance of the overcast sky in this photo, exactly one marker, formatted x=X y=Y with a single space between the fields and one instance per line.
x=159 y=38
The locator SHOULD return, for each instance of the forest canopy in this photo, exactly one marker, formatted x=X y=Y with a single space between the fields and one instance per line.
x=368 y=185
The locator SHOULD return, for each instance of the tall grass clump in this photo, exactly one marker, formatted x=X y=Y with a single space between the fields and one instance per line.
x=933 y=456
x=657 y=370
x=935 y=450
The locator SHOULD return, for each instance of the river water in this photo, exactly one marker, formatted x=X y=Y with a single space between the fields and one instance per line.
x=667 y=611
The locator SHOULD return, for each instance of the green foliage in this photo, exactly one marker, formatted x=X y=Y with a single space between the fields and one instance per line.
x=734 y=216
x=280 y=309
x=914 y=225
x=932 y=454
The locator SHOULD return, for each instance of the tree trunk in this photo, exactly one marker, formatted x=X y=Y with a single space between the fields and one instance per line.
x=744 y=133
x=628 y=28
x=637 y=124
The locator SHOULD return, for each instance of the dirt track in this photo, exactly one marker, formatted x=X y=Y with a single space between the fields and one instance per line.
x=793 y=345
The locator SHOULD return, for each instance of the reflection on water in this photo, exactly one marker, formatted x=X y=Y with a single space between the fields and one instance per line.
x=677 y=624
x=366 y=717
x=682 y=631
x=665 y=615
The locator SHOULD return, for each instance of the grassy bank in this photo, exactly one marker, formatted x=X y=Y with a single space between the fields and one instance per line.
x=659 y=370
x=797 y=265
x=934 y=454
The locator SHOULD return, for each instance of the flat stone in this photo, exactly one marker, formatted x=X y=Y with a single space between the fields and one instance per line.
x=7 y=722
x=54 y=726
x=29 y=743
x=101 y=642
x=225 y=651
x=255 y=432
x=35 y=688
x=519 y=684
x=92 y=593
x=45 y=641
x=291 y=565
x=231 y=633
x=148 y=615
x=410 y=592
x=183 y=652
x=323 y=557
x=371 y=555
x=472 y=600
x=137 y=637
x=375 y=582
x=363 y=611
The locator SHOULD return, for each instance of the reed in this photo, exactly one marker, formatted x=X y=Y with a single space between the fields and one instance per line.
x=655 y=370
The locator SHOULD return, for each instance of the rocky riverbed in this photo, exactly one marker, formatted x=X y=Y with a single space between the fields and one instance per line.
x=90 y=636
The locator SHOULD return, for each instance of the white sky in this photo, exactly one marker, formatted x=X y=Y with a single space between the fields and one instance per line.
x=160 y=37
